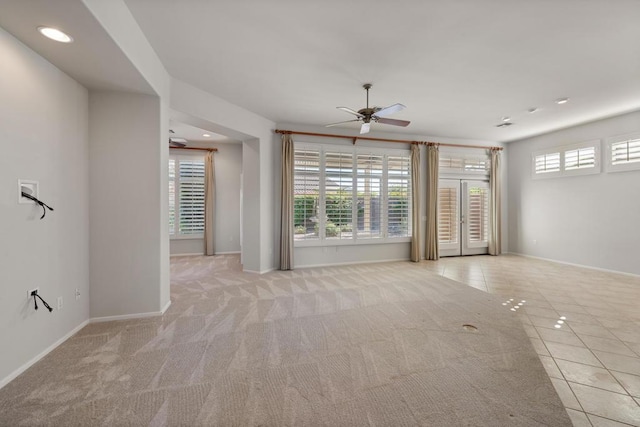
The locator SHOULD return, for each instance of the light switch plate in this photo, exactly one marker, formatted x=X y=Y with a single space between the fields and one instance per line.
x=28 y=186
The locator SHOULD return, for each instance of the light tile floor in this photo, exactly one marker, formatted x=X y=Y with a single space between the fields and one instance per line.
x=584 y=324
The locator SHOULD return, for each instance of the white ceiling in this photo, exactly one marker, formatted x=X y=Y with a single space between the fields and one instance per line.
x=458 y=65
x=196 y=135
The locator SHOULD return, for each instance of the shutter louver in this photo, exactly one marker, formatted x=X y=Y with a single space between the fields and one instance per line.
x=448 y=215
x=580 y=158
x=338 y=195
x=478 y=215
x=172 y=197
x=191 y=195
x=625 y=152
x=549 y=162
x=306 y=194
x=369 y=178
x=399 y=196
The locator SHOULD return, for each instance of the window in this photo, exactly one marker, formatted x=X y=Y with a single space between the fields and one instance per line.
x=186 y=196
x=548 y=162
x=345 y=195
x=576 y=159
x=463 y=163
x=624 y=153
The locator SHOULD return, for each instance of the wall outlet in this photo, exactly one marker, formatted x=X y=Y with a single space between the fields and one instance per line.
x=30 y=291
x=60 y=303
x=77 y=294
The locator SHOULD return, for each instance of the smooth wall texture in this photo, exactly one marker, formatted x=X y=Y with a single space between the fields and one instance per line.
x=228 y=167
x=43 y=137
x=128 y=173
x=589 y=220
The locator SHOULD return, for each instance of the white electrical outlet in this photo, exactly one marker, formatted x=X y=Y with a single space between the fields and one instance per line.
x=30 y=291
x=60 y=303
x=77 y=294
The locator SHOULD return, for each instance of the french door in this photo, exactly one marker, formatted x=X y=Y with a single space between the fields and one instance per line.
x=463 y=217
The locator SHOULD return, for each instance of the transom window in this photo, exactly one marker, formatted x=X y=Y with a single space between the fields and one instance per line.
x=345 y=195
x=624 y=153
x=576 y=159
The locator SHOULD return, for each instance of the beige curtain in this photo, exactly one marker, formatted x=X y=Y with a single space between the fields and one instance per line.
x=415 y=202
x=286 y=205
x=209 y=203
x=495 y=205
x=431 y=251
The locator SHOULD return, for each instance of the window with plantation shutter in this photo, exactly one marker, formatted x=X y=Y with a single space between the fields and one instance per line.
x=186 y=196
x=448 y=204
x=624 y=153
x=351 y=195
x=478 y=216
x=306 y=194
x=338 y=195
x=399 y=196
x=580 y=158
x=547 y=162
x=463 y=163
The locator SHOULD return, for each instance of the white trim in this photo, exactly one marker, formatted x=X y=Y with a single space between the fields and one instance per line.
x=268 y=270
x=166 y=307
x=6 y=380
x=130 y=316
x=228 y=253
x=193 y=254
x=350 y=263
x=590 y=267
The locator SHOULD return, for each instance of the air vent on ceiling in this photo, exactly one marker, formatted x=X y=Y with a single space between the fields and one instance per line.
x=504 y=124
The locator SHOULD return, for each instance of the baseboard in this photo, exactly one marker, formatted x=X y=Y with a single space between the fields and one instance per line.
x=202 y=254
x=295 y=267
x=131 y=316
x=259 y=272
x=590 y=267
x=42 y=354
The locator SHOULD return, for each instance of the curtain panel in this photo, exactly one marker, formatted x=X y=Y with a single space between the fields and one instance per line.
x=286 y=204
x=209 y=203
x=415 y=202
x=431 y=249
x=495 y=205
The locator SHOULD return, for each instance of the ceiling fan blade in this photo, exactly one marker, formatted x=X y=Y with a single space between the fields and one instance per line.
x=340 y=123
x=394 y=122
x=365 y=128
x=386 y=111
x=350 y=111
x=177 y=142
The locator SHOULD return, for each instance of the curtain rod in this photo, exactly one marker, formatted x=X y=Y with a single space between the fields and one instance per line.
x=400 y=141
x=193 y=148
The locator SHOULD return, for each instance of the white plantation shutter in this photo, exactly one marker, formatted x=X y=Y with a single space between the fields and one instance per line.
x=448 y=204
x=457 y=163
x=186 y=196
x=548 y=162
x=172 y=197
x=338 y=200
x=580 y=158
x=478 y=216
x=399 y=196
x=191 y=193
x=625 y=152
x=306 y=194
x=369 y=208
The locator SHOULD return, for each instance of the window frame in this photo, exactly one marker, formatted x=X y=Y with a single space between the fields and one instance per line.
x=562 y=151
x=176 y=235
x=625 y=167
x=322 y=240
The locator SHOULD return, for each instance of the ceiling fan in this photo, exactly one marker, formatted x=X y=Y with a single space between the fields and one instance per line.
x=176 y=142
x=373 y=114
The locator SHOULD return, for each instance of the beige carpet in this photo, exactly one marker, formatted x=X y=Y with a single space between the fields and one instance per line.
x=377 y=344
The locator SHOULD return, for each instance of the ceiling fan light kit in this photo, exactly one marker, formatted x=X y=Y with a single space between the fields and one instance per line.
x=374 y=114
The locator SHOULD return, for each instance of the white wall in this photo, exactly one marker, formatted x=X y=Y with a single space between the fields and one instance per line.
x=43 y=137
x=308 y=256
x=204 y=110
x=228 y=168
x=128 y=174
x=589 y=220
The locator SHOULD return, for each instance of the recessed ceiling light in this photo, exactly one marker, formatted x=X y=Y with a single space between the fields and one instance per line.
x=506 y=119
x=532 y=110
x=55 y=34
x=562 y=100
x=206 y=135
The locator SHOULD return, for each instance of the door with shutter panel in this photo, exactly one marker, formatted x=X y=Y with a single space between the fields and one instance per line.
x=463 y=217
